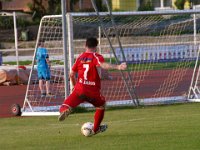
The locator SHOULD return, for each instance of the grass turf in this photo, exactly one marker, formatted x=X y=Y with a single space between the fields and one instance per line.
x=172 y=127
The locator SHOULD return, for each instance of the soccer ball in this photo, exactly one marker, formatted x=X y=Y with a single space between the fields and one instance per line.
x=86 y=129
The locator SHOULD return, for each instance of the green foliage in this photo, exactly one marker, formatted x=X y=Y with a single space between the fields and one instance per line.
x=160 y=66
x=178 y=17
x=23 y=23
x=195 y=2
x=100 y=6
x=146 y=6
x=37 y=9
x=86 y=10
x=54 y=7
x=28 y=62
x=7 y=22
x=72 y=3
x=154 y=66
x=180 y=4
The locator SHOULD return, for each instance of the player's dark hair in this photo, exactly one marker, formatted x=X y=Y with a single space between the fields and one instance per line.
x=91 y=42
x=41 y=42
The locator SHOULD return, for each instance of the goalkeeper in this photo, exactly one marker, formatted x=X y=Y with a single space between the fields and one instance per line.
x=43 y=69
x=87 y=86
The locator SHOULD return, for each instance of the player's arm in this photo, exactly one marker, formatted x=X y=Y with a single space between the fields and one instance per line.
x=48 y=62
x=105 y=65
x=72 y=77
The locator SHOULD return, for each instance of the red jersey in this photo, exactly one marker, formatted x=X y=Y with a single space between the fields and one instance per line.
x=86 y=66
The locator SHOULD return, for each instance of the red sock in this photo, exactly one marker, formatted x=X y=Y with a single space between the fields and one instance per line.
x=63 y=108
x=98 y=117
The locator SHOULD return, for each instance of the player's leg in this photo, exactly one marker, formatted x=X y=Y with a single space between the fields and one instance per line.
x=99 y=103
x=71 y=102
x=41 y=87
x=48 y=87
x=65 y=110
x=41 y=82
x=47 y=78
x=98 y=117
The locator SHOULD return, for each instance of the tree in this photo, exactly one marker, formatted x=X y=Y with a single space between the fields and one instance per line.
x=195 y=2
x=146 y=5
x=99 y=4
x=38 y=8
x=72 y=3
x=54 y=6
x=180 y=4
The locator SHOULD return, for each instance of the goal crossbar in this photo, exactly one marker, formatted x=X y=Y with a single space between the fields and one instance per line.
x=160 y=49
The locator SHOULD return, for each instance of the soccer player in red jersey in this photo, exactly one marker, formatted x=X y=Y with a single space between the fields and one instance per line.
x=88 y=84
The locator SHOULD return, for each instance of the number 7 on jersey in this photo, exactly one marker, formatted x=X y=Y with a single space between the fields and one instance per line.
x=86 y=66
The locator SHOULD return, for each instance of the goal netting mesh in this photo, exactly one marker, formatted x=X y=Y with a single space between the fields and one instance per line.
x=159 y=48
x=50 y=32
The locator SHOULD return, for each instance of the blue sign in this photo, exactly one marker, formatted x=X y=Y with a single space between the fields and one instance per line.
x=167 y=53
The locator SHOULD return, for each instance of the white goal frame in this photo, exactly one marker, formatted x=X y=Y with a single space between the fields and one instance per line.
x=145 y=101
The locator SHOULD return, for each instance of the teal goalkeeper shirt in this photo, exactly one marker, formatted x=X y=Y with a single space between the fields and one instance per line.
x=41 y=57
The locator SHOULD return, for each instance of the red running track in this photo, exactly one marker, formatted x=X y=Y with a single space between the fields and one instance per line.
x=11 y=95
x=15 y=94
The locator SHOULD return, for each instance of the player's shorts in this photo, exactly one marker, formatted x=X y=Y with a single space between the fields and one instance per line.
x=76 y=98
x=44 y=74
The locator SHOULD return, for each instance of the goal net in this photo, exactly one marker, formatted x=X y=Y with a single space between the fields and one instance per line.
x=160 y=49
x=50 y=32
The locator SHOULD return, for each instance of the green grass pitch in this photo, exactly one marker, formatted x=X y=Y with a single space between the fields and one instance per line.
x=172 y=127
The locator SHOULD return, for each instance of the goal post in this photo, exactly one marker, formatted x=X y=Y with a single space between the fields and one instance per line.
x=160 y=49
x=50 y=31
x=194 y=90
